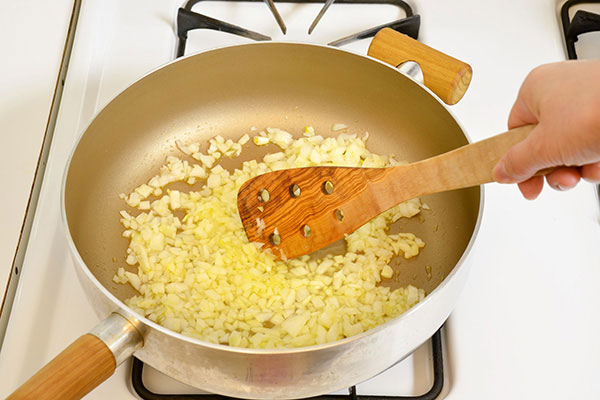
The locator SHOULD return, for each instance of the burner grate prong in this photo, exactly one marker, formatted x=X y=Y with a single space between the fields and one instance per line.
x=277 y=16
x=408 y=26
x=327 y=4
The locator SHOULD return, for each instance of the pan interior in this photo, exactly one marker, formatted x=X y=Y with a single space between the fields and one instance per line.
x=227 y=92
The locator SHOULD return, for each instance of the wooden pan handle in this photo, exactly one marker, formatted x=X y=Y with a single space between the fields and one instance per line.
x=446 y=76
x=82 y=366
x=86 y=363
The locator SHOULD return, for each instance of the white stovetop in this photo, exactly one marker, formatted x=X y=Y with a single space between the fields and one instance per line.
x=526 y=324
x=32 y=38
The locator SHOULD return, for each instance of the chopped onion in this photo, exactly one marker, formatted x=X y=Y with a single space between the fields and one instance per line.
x=261 y=141
x=200 y=276
x=338 y=127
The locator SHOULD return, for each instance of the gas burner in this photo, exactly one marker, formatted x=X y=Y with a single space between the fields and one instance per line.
x=188 y=20
x=432 y=394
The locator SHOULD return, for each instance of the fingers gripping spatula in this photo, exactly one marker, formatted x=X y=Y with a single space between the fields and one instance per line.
x=301 y=210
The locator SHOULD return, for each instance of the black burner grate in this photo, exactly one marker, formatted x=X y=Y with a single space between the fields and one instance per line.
x=188 y=20
x=433 y=393
x=582 y=22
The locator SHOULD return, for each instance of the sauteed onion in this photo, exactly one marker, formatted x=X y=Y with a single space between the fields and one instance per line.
x=199 y=275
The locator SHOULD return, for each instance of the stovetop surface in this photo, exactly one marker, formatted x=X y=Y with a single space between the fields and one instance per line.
x=525 y=326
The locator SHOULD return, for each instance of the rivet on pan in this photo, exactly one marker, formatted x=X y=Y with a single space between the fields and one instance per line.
x=327 y=187
x=306 y=230
x=295 y=191
x=263 y=195
x=275 y=239
x=339 y=214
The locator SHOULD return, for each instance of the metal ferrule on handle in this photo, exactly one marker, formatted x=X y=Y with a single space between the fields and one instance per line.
x=120 y=335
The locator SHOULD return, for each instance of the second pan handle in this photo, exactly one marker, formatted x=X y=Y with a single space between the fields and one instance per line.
x=446 y=76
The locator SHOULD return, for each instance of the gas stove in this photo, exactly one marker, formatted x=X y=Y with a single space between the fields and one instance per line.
x=513 y=317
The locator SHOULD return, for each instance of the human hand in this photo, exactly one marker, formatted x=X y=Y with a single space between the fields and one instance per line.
x=563 y=99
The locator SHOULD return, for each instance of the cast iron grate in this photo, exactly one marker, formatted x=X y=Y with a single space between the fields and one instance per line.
x=582 y=22
x=433 y=393
x=188 y=20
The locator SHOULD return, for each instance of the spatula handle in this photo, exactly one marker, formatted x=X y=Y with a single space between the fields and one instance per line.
x=467 y=166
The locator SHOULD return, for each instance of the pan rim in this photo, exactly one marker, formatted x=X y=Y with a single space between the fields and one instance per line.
x=120 y=306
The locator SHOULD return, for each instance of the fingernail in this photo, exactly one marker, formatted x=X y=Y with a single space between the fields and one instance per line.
x=562 y=188
x=500 y=173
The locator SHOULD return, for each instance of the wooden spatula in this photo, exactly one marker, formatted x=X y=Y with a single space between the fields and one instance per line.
x=300 y=210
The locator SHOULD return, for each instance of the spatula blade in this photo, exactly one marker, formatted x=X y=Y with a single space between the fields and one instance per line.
x=297 y=211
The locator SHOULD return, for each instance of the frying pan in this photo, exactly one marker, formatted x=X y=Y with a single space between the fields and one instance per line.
x=225 y=92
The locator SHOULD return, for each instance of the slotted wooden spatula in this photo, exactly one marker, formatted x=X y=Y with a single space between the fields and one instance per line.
x=297 y=211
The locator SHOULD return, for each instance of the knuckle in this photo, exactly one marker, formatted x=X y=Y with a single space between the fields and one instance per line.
x=524 y=159
x=513 y=166
x=590 y=121
x=591 y=172
x=547 y=153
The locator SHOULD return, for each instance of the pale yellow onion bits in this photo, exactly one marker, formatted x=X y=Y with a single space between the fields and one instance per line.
x=200 y=276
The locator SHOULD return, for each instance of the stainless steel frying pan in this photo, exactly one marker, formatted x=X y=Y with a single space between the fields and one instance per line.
x=225 y=92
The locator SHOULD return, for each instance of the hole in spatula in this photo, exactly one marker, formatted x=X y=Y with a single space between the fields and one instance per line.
x=327 y=187
x=275 y=239
x=264 y=195
x=306 y=230
x=295 y=191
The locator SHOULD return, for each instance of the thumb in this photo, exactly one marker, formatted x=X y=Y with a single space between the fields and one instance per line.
x=520 y=162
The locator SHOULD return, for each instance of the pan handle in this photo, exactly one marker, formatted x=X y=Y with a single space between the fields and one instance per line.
x=446 y=76
x=85 y=364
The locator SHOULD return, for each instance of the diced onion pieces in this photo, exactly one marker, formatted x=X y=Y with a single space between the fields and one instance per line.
x=261 y=140
x=198 y=275
x=338 y=127
x=387 y=272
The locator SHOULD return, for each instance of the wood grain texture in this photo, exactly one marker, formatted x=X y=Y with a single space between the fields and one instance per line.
x=446 y=76
x=72 y=374
x=361 y=193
